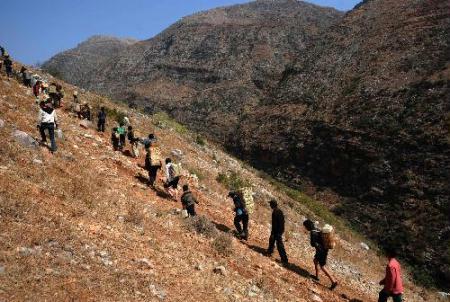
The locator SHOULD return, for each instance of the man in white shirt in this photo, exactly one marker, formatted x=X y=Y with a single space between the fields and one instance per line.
x=47 y=120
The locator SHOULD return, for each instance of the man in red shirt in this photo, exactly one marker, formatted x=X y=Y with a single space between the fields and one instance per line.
x=393 y=285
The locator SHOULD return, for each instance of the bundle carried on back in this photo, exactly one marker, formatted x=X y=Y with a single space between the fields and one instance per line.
x=328 y=237
x=155 y=156
x=176 y=169
x=52 y=89
x=246 y=194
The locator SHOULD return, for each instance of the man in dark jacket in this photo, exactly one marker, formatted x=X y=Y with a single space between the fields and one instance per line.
x=276 y=235
x=241 y=215
x=8 y=65
x=101 y=117
x=188 y=201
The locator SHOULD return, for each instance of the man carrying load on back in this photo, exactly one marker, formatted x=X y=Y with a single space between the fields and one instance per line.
x=322 y=246
x=153 y=163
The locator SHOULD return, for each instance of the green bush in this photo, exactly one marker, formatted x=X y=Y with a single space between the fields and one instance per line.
x=232 y=181
x=162 y=119
x=115 y=114
x=200 y=140
x=196 y=172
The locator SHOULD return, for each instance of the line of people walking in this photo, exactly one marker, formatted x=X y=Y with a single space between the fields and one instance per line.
x=49 y=97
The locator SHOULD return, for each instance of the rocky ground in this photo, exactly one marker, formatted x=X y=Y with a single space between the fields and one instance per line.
x=81 y=224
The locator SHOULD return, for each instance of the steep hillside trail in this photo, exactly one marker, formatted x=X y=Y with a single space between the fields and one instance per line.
x=81 y=225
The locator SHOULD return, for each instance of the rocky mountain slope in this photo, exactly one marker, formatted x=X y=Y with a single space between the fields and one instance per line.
x=367 y=113
x=83 y=60
x=209 y=67
x=81 y=224
x=357 y=104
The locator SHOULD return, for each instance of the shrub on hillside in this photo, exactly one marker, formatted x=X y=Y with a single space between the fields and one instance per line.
x=134 y=215
x=232 y=180
x=114 y=114
x=223 y=244
x=201 y=225
x=163 y=120
x=200 y=140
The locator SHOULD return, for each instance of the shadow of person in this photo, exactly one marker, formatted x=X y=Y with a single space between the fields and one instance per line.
x=298 y=270
x=222 y=227
x=258 y=249
x=127 y=153
x=142 y=179
x=291 y=266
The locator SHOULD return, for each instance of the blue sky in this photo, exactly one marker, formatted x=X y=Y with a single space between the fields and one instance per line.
x=33 y=31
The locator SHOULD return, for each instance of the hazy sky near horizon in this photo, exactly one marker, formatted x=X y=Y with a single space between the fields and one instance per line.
x=34 y=31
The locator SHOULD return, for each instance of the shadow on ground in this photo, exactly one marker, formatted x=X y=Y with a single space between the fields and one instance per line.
x=222 y=227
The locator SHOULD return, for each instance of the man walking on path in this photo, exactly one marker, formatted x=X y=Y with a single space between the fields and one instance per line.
x=188 y=201
x=122 y=135
x=241 y=215
x=321 y=255
x=152 y=164
x=393 y=284
x=172 y=179
x=276 y=235
x=101 y=120
x=134 y=142
x=47 y=120
x=8 y=66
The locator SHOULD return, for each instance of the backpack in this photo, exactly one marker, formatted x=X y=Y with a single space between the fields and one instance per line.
x=328 y=237
x=247 y=197
x=155 y=156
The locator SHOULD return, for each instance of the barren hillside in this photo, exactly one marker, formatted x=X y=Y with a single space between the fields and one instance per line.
x=81 y=225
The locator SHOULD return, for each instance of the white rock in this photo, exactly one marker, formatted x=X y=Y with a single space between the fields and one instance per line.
x=145 y=262
x=364 y=246
x=253 y=291
x=59 y=134
x=220 y=270
x=199 y=267
x=103 y=254
x=177 y=153
x=157 y=292
x=2 y=123
x=444 y=295
x=316 y=298
x=86 y=124
x=37 y=161
x=2 y=270
x=25 y=139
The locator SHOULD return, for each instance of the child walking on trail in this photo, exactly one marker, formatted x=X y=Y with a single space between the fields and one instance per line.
x=392 y=282
x=321 y=255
